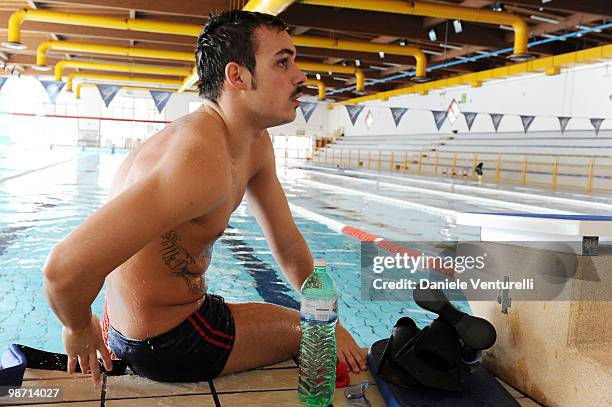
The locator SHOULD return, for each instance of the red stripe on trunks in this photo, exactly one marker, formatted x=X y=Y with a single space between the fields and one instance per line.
x=206 y=337
x=211 y=329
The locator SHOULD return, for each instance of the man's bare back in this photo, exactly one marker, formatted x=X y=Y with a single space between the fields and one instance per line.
x=164 y=282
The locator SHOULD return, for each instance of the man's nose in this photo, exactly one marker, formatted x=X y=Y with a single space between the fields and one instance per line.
x=300 y=78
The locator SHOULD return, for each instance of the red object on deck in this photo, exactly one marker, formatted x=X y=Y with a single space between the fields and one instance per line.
x=342 y=375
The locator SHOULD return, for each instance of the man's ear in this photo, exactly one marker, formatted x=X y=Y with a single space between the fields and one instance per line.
x=237 y=76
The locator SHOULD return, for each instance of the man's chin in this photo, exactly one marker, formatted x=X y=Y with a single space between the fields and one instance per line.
x=288 y=119
x=291 y=116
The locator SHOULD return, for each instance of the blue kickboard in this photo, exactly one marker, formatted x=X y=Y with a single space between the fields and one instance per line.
x=481 y=389
x=12 y=368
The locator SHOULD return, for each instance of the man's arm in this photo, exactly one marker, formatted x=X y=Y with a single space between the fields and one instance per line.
x=171 y=194
x=268 y=203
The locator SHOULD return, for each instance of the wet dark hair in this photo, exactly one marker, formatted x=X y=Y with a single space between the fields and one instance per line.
x=228 y=37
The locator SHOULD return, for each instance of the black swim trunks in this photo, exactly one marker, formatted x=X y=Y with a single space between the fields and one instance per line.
x=195 y=350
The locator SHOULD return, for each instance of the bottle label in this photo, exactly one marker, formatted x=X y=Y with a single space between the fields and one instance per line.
x=319 y=310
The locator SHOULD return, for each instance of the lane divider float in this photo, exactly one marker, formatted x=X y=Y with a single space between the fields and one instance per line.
x=363 y=236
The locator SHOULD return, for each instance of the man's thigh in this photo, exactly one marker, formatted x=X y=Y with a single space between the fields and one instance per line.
x=265 y=334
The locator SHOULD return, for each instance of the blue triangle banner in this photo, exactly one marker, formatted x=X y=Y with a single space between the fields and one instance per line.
x=439 y=117
x=526 y=120
x=563 y=121
x=53 y=88
x=108 y=92
x=469 y=119
x=3 y=80
x=160 y=98
x=307 y=109
x=596 y=124
x=398 y=113
x=496 y=118
x=353 y=112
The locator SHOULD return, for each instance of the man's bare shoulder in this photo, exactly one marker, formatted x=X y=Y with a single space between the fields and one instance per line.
x=199 y=142
x=189 y=157
x=203 y=127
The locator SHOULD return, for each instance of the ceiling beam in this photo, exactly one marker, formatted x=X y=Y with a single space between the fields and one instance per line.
x=125 y=43
x=199 y=8
x=67 y=72
x=527 y=12
x=554 y=48
x=329 y=82
x=30 y=60
x=539 y=29
x=353 y=21
x=466 y=67
x=52 y=59
x=453 y=53
x=387 y=24
x=568 y=23
x=600 y=7
x=33 y=41
x=351 y=55
x=92 y=32
x=431 y=21
x=472 y=34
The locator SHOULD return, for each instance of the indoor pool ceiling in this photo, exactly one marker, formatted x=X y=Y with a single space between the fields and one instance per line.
x=440 y=39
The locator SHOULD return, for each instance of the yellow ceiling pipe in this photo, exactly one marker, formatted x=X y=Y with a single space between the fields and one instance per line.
x=130 y=24
x=273 y=7
x=537 y=65
x=446 y=11
x=318 y=84
x=120 y=78
x=312 y=66
x=41 y=52
x=82 y=85
x=153 y=70
x=365 y=46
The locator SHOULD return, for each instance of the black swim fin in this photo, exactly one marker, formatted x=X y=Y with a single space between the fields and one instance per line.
x=476 y=333
x=432 y=357
x=40 y=359
x=403 y=331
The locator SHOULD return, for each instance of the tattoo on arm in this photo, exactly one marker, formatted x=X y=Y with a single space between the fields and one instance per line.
x=178 y=259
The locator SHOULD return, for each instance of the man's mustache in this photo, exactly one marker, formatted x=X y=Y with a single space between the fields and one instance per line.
x=298 y=92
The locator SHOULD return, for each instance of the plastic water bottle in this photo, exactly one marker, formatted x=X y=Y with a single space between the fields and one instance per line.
x=319 y=314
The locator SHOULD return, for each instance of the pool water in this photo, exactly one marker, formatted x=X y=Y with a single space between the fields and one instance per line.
x=16 y=159
x=41 y=207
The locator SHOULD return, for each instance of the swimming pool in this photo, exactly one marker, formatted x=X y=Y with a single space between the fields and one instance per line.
x=41 y=207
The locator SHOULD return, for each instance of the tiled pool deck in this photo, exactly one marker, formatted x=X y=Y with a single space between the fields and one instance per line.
x=271 y=386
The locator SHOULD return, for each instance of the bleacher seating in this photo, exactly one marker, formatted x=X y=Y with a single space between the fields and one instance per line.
x=585 y=143
x=574 y=154
x=405 y=142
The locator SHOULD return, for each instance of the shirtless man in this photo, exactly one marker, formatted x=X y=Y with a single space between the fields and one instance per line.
x=170 y=200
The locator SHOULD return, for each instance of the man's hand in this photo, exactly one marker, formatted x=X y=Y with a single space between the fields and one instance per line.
x=348 y=351
x=86 y=344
